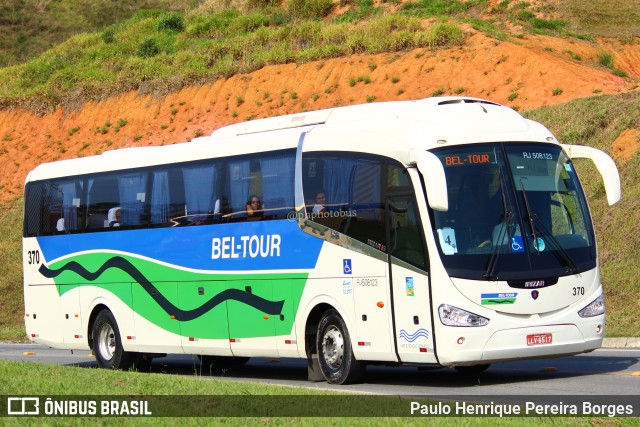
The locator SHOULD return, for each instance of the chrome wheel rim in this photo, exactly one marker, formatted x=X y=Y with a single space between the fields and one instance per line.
x=333 y=347
x=106 y=341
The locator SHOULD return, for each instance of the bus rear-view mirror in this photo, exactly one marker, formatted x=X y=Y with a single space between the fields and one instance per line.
x=605 y=165
x=435 y=179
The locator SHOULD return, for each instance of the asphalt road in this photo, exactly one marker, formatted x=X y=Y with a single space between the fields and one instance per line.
x=614 y=372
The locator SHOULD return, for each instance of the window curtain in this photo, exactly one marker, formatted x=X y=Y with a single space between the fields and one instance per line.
x=132 y=189
x=366 y=184
x=338 y=175
x=160 y=198
x=366 y=191
x=278 y=183
x=199 y=188
x=70 y=204
x=239 y=174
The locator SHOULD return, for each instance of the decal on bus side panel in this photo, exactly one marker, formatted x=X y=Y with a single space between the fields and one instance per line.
x=186 y=302
x=189 y=280
x=260 y=245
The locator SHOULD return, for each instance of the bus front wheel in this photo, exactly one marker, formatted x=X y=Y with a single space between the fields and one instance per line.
x=107 y=344
x=335 y=354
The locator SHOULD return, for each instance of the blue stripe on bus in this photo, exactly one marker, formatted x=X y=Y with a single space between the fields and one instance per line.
x=259 y=245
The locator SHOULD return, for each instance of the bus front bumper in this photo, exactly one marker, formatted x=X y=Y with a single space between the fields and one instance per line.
x=525 y=343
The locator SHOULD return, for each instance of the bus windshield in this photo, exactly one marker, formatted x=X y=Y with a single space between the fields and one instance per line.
x=516 y=211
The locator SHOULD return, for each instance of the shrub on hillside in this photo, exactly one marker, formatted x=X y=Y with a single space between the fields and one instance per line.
x=148 y=48
x=109 y=35
x=258 y=4
x=309 y=9
x=171 y=22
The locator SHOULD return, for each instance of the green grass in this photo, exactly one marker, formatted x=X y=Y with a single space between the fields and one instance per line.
x=606 y=59
x=30 y=27
x=610 y=18
x=597 y=122
x=434 y=8
x=358 y=11
x=231 y=397
x=11 y=298
x=159 y=53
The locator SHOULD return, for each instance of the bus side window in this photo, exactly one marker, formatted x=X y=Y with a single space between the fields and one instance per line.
x=36 y=221
x=406 y=232
x=266 y=177
x=52 y=207
x=277 y=176
x=68 y=196
x=132 y=191
x=201 y=183
x=102 y=196
x=352 y=190
x=239 y=178
x=406 y=241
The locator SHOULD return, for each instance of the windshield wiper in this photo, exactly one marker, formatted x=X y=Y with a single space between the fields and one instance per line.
x=529 y=216
x=560 y=252
x=495 y=248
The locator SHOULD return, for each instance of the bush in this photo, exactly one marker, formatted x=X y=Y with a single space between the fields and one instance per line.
x=249 y=23
x=172 y=22
x=259 y=4
x=548 y=24
x=441 y=35
x=606 y=59
x=310 y=9
x=149 y=48
x=109 y=35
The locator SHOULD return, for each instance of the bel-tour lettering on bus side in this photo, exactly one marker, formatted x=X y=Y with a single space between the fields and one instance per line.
x=253 y=246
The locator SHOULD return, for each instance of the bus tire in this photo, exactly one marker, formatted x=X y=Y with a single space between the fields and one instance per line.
x=335 y=354
x=107 y=344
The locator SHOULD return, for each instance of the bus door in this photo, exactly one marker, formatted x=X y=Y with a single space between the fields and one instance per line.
x=409 y=282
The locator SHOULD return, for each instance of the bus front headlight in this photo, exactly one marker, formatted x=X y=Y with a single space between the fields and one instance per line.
x=454 y=316
x=595 y=308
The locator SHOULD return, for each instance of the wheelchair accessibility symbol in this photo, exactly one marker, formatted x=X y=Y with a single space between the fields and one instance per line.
x=346 y=268
x=517 y=244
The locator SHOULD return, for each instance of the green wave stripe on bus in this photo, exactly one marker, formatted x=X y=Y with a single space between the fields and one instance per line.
x=206 y=305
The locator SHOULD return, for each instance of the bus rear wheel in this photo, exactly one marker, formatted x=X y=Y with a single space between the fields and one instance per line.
x=107 y=344
x=335 y=354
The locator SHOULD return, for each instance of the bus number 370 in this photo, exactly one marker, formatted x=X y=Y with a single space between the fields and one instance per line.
x=33 y=257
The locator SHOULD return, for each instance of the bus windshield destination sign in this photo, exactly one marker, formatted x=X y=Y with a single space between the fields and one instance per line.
x=471 y=159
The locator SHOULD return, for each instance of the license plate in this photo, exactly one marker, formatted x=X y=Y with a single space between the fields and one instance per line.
x=539 y=339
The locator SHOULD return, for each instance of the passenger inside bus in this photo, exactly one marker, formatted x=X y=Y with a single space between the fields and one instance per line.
x=320 y=201
x=114 y=217
x=255 y=211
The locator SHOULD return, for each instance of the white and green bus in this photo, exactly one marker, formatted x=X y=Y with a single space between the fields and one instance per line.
x=447 y=231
